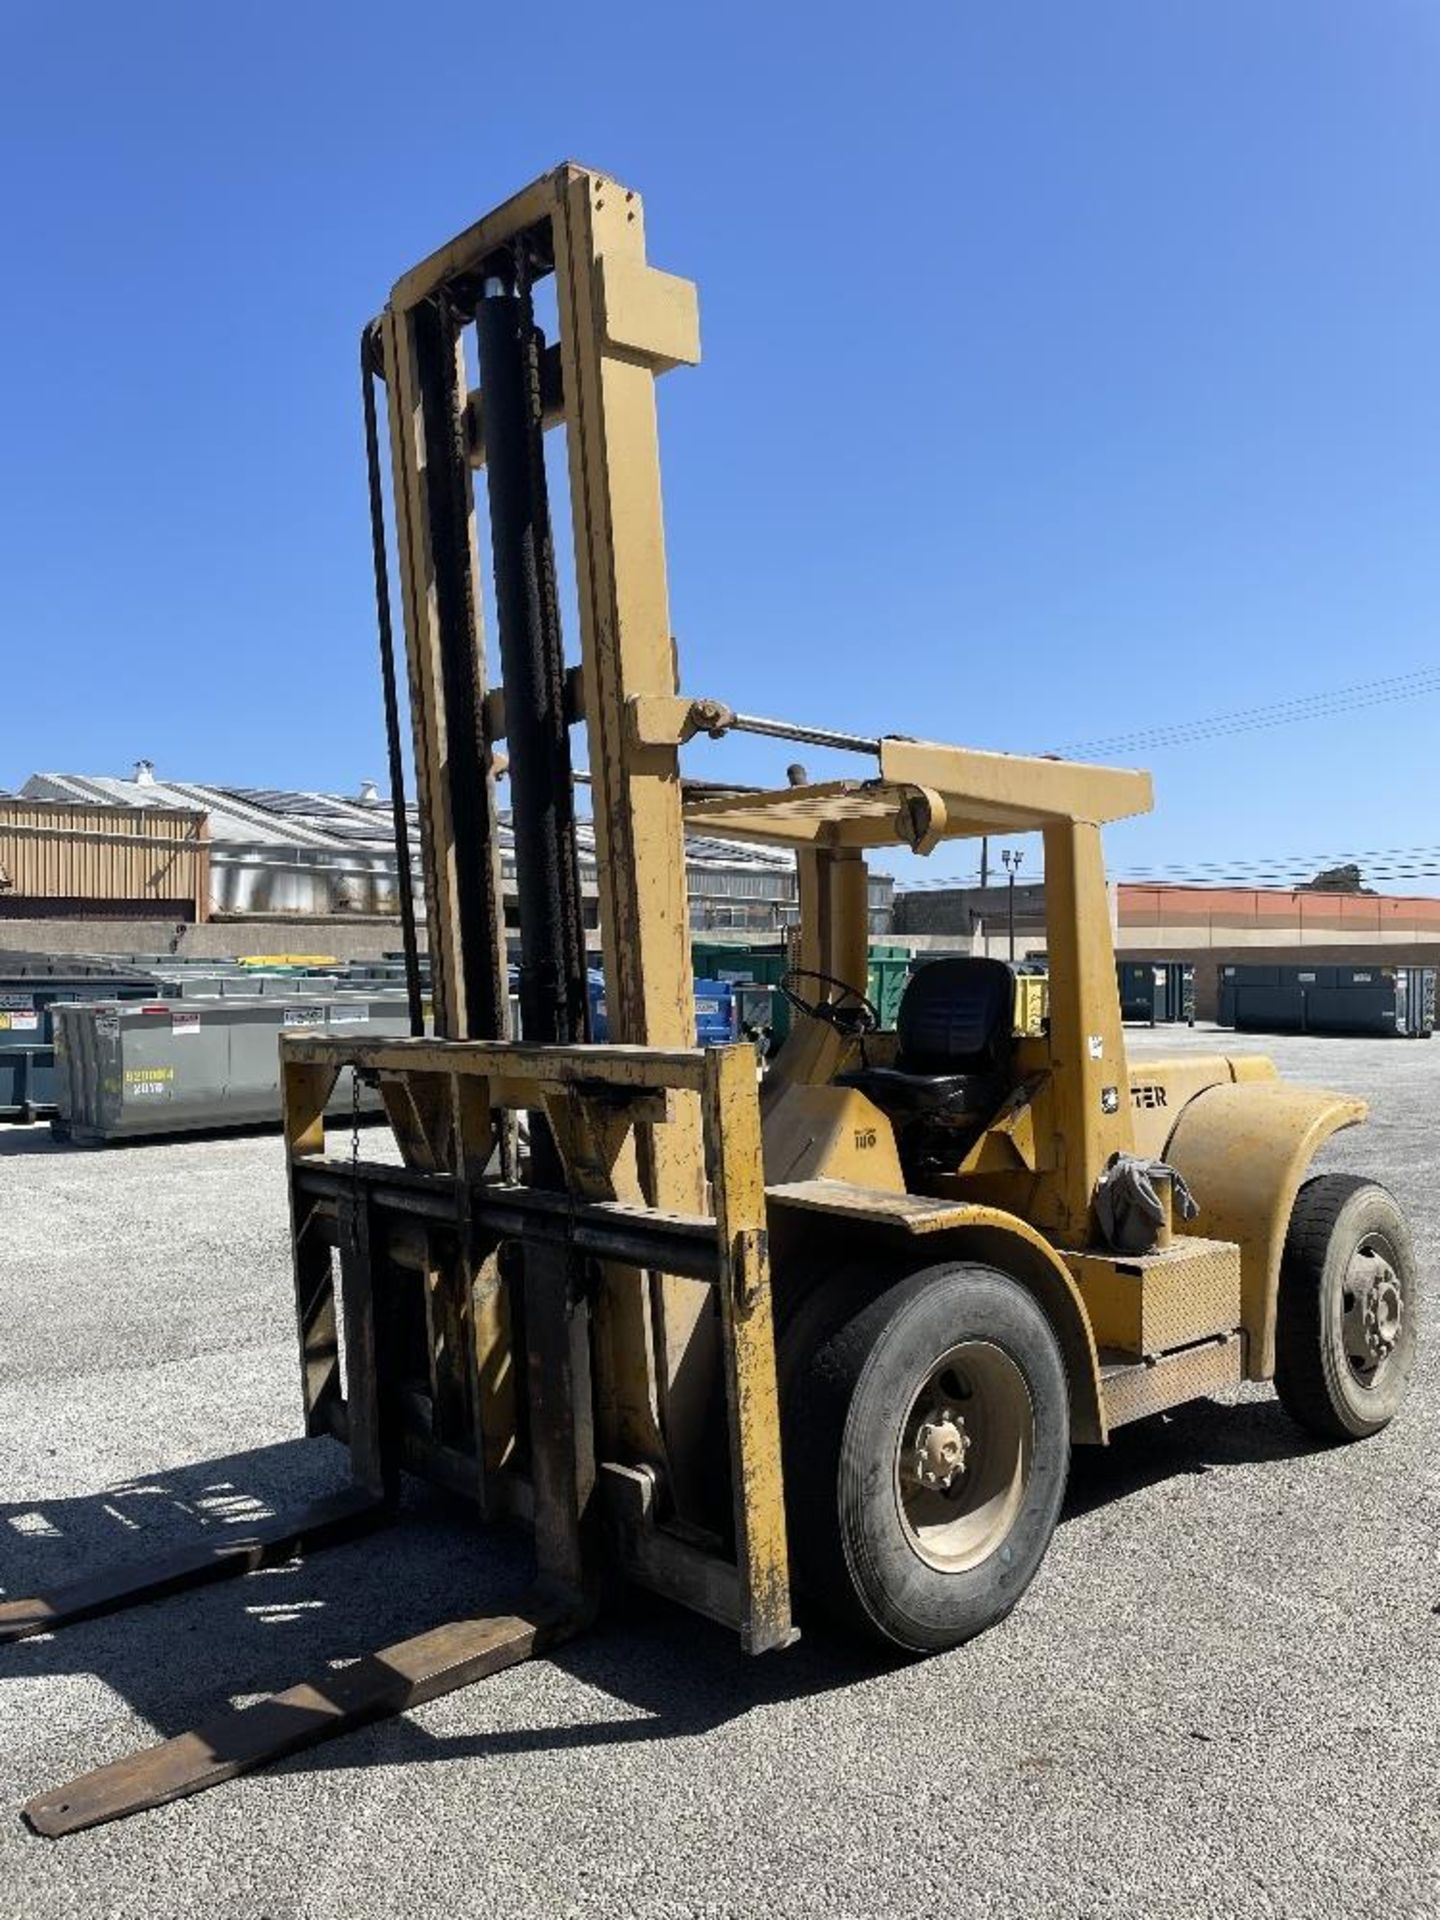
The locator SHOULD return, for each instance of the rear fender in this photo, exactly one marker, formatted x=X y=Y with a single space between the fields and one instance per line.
x=1161 y=1089
x=1243 y=1151
x=822 y=1219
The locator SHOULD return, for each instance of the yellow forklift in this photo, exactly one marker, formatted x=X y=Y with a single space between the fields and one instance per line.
x=831 y=1332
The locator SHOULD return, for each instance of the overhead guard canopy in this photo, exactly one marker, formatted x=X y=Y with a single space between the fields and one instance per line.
x=925 y=794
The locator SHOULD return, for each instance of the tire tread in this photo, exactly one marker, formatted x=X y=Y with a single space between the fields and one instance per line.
x=822 y=1475
x=1300 y=1377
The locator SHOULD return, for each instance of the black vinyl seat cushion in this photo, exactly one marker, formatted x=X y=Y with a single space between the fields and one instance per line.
x=954 y=1096
x=955 y=1031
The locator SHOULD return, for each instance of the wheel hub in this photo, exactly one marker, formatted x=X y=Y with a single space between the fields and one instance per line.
x=941 y=1444
x=1374 y=1311
x=961 y=1477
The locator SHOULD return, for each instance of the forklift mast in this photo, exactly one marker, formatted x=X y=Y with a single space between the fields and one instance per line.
x=621 y=323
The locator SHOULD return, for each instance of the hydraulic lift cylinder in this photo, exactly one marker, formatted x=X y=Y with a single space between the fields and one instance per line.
x=552 y=960
x=553 y=999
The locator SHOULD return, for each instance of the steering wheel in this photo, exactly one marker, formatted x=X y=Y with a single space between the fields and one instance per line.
x=850 y=1012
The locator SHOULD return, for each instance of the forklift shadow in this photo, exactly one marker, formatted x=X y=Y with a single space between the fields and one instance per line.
x=1200 y=1437
x=174 y=1662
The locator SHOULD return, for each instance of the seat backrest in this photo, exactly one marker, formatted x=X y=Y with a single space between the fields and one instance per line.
x=956 y=1016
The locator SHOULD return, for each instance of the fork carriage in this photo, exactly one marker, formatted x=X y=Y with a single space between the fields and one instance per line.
x=422 y=1256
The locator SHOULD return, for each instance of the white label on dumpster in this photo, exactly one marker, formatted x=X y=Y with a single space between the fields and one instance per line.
x=305 y=1016
x=19 y=1022
x=107 y=1023
x=707 y=1006
x=184 y=1023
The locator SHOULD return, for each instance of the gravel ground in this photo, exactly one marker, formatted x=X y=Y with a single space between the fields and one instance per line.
x=1219 y=1697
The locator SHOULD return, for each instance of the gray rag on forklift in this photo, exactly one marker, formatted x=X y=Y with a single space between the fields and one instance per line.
x=1129 y=1209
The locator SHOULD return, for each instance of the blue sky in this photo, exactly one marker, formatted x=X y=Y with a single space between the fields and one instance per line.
x=1069 y=370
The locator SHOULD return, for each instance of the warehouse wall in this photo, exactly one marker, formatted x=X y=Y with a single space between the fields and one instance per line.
x=941 y=910
x=56 y=855
x=1252 y=917
x=347 y=939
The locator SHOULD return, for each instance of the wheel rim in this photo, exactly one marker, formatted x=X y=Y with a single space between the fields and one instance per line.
x=963 y=1455
x=1373 y=1310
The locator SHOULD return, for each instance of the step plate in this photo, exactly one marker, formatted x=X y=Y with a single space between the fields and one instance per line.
x=1132 y=1389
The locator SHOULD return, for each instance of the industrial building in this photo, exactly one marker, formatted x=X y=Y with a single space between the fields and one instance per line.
x=1205 y=926
x=271 y=854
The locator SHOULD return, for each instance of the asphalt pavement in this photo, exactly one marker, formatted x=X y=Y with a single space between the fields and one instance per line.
x=1221 y=1696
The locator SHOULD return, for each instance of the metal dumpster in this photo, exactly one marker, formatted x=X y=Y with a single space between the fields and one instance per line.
x=1375 y=1000
x=1157 y=992
x=1032 y=997
x=1415 y=1002
x=767 y=963
x=889 y=970
x=755 y=1013
x=714 y=1011
x=27 y=1057
x=128 y=1070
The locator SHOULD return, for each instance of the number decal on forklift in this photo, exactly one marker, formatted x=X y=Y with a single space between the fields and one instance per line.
x=864 y=1137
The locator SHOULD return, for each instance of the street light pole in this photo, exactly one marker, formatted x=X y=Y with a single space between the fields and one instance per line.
x=1012 y=859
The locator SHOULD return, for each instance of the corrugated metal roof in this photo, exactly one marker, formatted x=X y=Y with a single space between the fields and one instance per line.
x=332 y=822
x=231 y=819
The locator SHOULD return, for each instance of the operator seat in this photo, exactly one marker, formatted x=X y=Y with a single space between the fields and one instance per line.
x=955 y=1030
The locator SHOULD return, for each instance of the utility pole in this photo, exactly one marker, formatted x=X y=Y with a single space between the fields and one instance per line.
x=1012 y=859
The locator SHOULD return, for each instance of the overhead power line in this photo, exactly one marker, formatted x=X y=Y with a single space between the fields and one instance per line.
x=1281 y=713
x=1290 y=872
x=1272 y=863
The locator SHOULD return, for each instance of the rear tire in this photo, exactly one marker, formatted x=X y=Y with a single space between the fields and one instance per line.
x=927 y=1440
x=1346 y=1316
